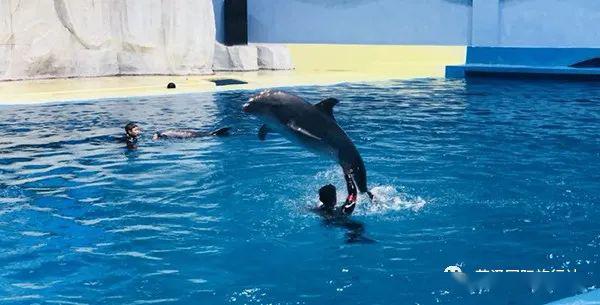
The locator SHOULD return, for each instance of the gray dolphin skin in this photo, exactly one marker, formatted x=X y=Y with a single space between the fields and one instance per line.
x=313 y=126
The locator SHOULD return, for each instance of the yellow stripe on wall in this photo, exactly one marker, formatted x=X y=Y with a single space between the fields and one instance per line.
x=377 y=61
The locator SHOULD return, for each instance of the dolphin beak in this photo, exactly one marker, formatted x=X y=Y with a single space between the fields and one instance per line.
x=245 y=107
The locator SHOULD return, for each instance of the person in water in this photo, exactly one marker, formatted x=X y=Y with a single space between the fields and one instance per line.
x=132 y=132
x=340 y=217
x=188 y=133
x=328 y=199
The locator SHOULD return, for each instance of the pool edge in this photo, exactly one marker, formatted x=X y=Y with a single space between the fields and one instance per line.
x=316 y=64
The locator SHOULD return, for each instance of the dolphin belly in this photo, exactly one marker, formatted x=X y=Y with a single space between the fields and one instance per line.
x=318 y=147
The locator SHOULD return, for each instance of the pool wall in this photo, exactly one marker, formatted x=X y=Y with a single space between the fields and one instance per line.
x=434 y=22
x=527 y=37
x=564 y=63
x=501 y=23
x=536 y=38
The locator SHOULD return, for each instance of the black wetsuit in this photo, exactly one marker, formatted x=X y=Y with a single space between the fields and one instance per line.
x=131 y=142
x=340 y=217
x=355 y=230
x=329 y=210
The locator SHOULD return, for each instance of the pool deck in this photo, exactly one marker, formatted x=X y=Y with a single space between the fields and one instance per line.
x=315 y=65
x=529 y=62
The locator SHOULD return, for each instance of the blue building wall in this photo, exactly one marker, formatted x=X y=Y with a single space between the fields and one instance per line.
x=438 y=22
x=550 y=23
x=485 y=20
x=520 y=23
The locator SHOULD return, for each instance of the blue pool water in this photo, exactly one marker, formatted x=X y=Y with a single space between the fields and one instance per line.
x=484 y=175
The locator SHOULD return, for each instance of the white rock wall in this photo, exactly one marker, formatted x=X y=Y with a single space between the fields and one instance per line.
x=67 y=38
x=274 y=57
x=252 y=57
x=235 y=58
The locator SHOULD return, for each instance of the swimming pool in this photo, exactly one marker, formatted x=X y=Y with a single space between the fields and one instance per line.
x=490 y=174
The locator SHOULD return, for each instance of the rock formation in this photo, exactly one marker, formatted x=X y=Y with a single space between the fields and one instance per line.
x=274 y=57
x=252 y=57
x=61 y=38
x=235 y=58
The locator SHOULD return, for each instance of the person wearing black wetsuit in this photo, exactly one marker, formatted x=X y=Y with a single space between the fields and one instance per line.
x=132 y=132
x=341 y=217
x=328 y=199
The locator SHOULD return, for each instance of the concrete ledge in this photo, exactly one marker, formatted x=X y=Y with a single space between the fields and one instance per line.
x=552 y=57
x=474 y=70
x=526 y=62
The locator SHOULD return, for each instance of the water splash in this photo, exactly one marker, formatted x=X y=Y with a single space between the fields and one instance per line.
x=388 y=199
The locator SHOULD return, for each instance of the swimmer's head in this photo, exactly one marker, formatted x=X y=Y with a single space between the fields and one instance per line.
x=327 y=196
x=132 y=130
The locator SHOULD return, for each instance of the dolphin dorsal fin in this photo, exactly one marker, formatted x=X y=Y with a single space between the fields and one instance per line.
x=326 y=106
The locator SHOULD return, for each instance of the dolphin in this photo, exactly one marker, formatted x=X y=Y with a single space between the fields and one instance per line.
x=313 y=126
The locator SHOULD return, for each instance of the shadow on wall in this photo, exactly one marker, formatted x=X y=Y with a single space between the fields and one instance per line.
x=461 y=2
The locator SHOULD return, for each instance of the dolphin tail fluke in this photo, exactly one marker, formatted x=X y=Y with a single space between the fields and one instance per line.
x=221 y=132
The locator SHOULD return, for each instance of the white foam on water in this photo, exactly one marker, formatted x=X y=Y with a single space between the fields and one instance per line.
x=388 y=199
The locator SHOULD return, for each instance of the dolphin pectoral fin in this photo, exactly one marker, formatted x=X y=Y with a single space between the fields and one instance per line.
x=262 y=132
x=301 y=130
x=220 y=132
x=326 y=106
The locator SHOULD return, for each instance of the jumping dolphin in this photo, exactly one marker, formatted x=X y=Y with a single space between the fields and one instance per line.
x=312 y=125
